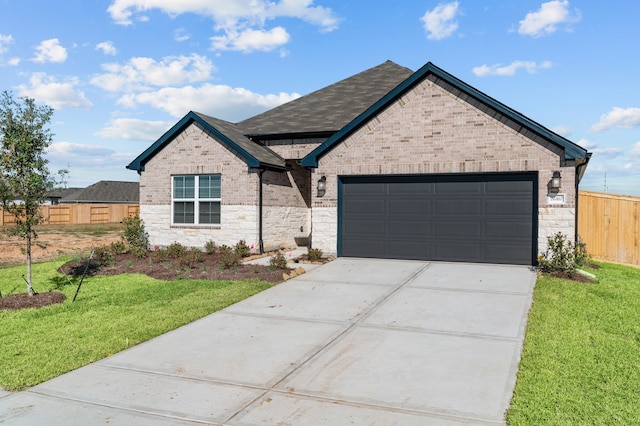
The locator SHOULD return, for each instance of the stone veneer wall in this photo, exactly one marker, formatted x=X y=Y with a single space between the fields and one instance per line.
x=432 y=131
x=286 y=208
x=195 y=151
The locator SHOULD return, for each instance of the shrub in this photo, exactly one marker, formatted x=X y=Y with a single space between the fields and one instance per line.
x=191 y=258
x=104 y=255
x=228 y=257
x=134 y=233
x=562 y=255
x=210 y=247
x=314 y=253
x=242 y=249
x=175 y=250
x=278 y=261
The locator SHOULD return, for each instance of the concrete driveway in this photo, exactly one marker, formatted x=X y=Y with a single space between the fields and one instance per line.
x=356 y=341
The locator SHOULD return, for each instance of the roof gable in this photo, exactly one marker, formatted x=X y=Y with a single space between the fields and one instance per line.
x=253 y=154
x=329 y=109
x=462 y=90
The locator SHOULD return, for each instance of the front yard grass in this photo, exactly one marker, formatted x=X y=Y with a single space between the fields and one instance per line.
x=581 y=357
x=110 y=314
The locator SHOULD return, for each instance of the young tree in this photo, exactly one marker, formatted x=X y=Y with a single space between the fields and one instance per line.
x=25 y=179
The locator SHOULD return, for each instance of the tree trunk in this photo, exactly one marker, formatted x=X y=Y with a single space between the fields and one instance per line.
x=29 y=286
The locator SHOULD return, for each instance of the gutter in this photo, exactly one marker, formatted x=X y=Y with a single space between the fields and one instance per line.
x=260 y=241
x=581 y=166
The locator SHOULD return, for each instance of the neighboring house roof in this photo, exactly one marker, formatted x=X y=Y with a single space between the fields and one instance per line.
x=105 y=191
x=329 y=109
x=253 y=154
x=482 y=101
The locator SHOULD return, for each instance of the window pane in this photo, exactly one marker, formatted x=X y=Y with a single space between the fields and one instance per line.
x=183 y=212
x=209 y=186
x=184 y=186
x=209 y=212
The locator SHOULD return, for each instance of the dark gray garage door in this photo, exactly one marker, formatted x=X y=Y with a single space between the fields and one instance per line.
x=489 y=218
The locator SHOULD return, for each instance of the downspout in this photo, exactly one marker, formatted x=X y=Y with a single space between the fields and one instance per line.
x=260 y=242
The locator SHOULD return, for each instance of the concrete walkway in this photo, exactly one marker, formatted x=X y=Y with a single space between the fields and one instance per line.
x=352 y=342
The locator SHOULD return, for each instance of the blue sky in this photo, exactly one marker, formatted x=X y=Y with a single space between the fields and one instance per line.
x=119 y=73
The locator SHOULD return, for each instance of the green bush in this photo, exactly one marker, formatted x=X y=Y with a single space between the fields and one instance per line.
x=562 y=255
x=314 y=254
x=104 y=255
x=175 y=250
x=191 y=258
x=278 y=261
x=242 y=249
x=134 y=233
x=228 y=256
x=210 y=247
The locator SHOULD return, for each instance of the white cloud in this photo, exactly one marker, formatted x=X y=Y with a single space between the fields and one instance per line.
x=134 y=129
x=181 y=35
x=238 y=21
x=140 y=73
x=562 y=130
x=228 y=103
x=546 y=20
x=607 y=152
x=66 y=150
x=5 y=40
x=440 y=22
x=107 y=48
x=635 y=151
x=586 y=143
x=14 y=61
x=618 y=117
x=50 y=51
x=57 y=94
x=530 y=67
x=250 y=40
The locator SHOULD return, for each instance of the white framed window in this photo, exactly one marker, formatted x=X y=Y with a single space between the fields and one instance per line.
x=196 y=199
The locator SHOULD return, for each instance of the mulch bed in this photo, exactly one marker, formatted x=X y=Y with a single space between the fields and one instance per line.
x=209 y=269
x=14 y=302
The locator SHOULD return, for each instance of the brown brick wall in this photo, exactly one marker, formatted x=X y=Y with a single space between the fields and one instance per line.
x=431 y=131
x=195 y=151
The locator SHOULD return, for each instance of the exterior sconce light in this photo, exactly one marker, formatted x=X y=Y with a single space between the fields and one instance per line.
x=322 y=186
x=556 y=181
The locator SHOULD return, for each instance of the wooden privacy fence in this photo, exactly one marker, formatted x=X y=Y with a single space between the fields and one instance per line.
x=610 y=226
x=78 y=214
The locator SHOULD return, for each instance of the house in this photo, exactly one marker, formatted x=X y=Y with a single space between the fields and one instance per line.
x=102 y=192
x=388 y=163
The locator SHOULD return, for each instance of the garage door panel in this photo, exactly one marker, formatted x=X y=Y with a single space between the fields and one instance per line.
x=409 y=207
x=470 y=218
x=502 y=207
x=457 y=250
x=406 y=249
x=459 y=188
x=508 y=230
x=457 y=229
x=364 y=247
x=365 y=207
x=364 y=227
x=408 y=187
x=409 y=228
x=458 y=207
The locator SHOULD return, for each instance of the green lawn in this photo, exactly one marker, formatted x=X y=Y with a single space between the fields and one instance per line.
x=109 y=315
x=581 y=356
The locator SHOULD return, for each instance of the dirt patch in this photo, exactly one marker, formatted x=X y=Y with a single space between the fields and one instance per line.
x=210 y=268
x=53 y=243
x=14 y=302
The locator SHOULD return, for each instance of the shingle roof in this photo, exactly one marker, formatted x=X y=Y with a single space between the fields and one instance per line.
x=331 y=108
x=254 y=155
x=105 y=191
x=480 y=100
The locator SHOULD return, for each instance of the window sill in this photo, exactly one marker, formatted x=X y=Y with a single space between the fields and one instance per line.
x=192 y=226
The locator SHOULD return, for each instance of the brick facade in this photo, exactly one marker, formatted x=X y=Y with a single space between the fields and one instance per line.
x=432 y=131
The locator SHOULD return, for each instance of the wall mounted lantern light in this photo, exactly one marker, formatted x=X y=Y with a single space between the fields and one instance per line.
x=322 y=186
x=556 y=181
